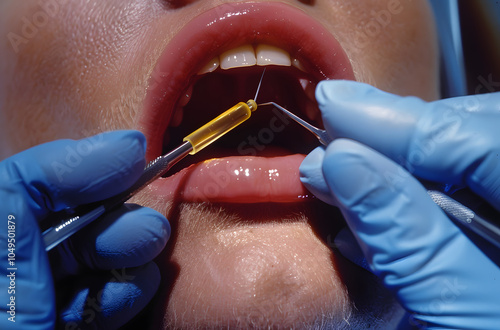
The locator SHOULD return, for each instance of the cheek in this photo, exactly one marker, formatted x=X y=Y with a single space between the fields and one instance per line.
x=391 y=43
x=77 y=74
x=404 y=60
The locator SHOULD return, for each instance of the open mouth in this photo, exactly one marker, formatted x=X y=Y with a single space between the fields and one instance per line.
x=216 y=61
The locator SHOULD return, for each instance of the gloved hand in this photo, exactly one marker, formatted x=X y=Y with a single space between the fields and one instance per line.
x=445 y=277
x=112 y=276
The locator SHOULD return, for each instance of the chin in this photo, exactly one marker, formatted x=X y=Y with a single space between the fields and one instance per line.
x=250 y=246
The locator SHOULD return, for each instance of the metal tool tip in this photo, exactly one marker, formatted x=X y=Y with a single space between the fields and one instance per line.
x=260 y=83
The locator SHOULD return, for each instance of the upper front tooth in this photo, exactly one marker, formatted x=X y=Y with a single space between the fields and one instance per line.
x=238 y=57
x=210 y=66
x=270 y=55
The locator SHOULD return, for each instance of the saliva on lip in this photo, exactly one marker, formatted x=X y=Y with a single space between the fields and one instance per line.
x=220 y=125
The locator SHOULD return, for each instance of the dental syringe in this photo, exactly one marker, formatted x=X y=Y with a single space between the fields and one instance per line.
x=71 y=221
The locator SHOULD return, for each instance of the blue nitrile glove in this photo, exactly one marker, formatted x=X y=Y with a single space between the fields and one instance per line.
x=442 y=276
x=111 y=276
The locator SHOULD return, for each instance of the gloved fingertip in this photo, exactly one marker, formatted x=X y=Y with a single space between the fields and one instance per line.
x=328 y=91
x=137 y=138
x=116 y=141
x=311 y=175
x=130 y=144
x=86 y=170
x=141 y=138
x=348 y=246
x=150 y=273
x=128 y=292
x=128 y=237
x=109 y=300
x=137 y=236
x=346 y=171
x=361 y=112
x=160 y=228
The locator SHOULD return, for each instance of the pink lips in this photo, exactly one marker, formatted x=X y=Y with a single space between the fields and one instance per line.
x=236 y=180
x=207 y=35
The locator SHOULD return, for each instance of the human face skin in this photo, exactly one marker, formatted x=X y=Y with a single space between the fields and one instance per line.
x=92 y=66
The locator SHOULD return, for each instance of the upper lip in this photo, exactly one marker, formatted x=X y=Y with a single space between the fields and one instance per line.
x=225 y=27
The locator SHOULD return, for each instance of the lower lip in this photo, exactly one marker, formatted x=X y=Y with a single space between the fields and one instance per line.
x=236 y=180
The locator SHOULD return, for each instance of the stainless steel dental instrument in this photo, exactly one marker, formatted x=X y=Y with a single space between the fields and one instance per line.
x=71 y=221
x=489 y=230
x=260 y=84
x=321 y=134
x=464 y=215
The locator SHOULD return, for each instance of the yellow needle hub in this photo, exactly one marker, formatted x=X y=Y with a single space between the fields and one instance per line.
x=219 y=126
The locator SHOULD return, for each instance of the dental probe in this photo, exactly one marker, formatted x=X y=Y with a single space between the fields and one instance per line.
x=454 y=209
x=321 y=134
